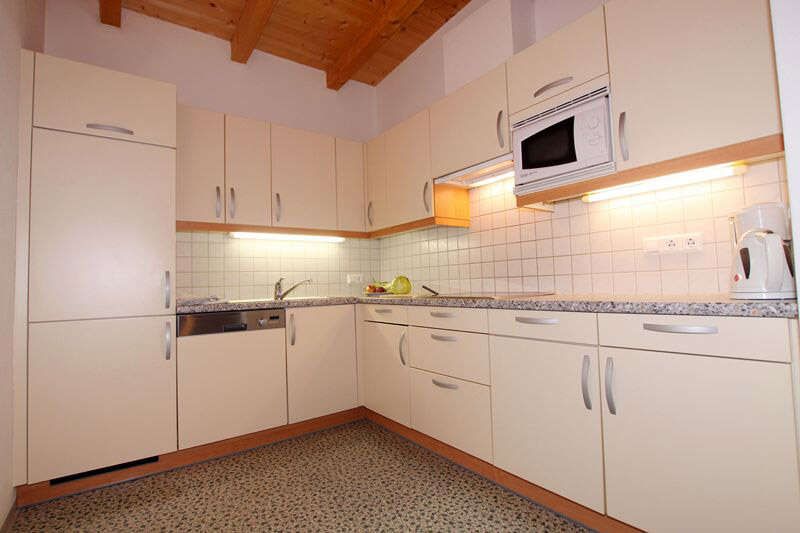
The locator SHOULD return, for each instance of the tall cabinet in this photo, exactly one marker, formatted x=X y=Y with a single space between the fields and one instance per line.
x=101 y=383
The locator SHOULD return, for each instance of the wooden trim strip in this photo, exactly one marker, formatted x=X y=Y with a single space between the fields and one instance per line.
x=39 y=492
x=513 y=483
x=188 y=225
x=740 y=152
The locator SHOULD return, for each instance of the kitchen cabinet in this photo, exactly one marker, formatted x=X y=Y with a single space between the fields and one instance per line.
x=701 y=441
x=101 y=393
x=230 y=384
x=81 y=98
x=689 y=76
x=546 y=416
x=409 y=184
x=565 y=59
x=247 y=171
x=102 y=228
x=320 y=361
x=200 y=165
x=450 y=353
x=377 y=211
x=470 y=126
x=349 y=185
x=385 y=371
x=303 y=179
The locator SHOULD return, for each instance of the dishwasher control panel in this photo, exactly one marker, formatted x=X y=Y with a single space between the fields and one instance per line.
x=230 y=321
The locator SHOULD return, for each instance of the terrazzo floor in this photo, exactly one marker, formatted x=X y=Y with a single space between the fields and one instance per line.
x=356 y=477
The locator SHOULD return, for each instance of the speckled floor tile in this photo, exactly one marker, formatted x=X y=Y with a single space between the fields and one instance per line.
x=356 y=477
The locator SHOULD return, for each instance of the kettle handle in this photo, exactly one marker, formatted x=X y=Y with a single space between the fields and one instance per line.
x=773 y=246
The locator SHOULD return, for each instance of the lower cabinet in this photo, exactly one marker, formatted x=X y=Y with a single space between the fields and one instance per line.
x=546 y=416
x=700 y=443
x=454 y=411
x=230 y=385
x=320 y=361
x=101 y=392
x=385 y=370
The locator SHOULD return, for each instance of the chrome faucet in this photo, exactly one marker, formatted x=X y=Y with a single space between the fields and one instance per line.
x=280 y=294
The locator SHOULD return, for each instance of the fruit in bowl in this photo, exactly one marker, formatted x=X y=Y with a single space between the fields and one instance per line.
x=399 y=285
x=375 y=289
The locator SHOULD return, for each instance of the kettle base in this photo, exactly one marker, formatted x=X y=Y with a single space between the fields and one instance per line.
x=760 y=295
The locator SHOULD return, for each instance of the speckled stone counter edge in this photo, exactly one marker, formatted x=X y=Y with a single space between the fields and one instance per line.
x=721 y=307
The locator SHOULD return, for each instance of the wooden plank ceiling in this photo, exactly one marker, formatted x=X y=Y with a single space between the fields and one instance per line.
x=362 y=40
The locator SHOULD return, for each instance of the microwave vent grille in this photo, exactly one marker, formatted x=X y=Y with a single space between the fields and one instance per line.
x=603 y=91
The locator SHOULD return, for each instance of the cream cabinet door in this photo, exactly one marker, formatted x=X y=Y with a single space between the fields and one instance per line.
x=102 y=228
x=247 y=171
x=230 y=384
x=546 y=416
x=377 y=205
x=83 y=98
x=689 y=76
x=200 y=165
x=321 y=361
x=565 y=59
x=303 y=179
x=350 y=185
x=100 y=393
x=409 y=184
x=470 y=126
x=699 y=443
x=387 y=386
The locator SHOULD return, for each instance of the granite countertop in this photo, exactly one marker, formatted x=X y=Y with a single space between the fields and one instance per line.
x=698 y=305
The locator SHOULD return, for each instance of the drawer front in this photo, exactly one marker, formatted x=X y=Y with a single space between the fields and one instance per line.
x=764 y=339
x=390 y=314
x=452 y=353
x=449 y=318
x=556 y=326
x=453 y=411
x=83 y=98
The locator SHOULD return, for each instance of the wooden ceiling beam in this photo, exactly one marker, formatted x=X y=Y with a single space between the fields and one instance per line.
x=381 y=29
x=255 y=16
x=111 y=12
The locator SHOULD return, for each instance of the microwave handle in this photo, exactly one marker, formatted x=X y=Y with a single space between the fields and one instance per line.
x=623 y=139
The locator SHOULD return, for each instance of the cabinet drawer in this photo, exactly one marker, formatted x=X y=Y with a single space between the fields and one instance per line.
x=452 y=353
x=555 y=326
x=77 y=97
x=765 y=339
x=454 y=411
x=449 y=318
x=391 y=314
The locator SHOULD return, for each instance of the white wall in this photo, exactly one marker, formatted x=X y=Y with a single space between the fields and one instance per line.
x=20 y=26
x=550 y=15
x=268 y=87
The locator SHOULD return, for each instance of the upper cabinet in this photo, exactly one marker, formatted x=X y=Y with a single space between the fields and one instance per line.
x=470 y=126
x=102 y=102
x=200 y=165
x=247 y=169
x=376 y=211
x=350 y=185
x=303 y=179
x=565 y=59
x=689 y=76
x=409 y=183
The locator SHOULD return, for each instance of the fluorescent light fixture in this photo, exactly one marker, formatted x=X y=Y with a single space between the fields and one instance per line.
x=668 y=181
x=496 y=169
x=492 y=179
x=284 y=237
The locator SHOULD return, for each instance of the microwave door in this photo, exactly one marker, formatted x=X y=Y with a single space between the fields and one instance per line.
x=547 y=149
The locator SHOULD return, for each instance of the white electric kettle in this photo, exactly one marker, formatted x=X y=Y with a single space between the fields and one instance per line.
x=762 y=266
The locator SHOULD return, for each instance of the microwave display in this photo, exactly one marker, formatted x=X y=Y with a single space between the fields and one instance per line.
x=554 y=145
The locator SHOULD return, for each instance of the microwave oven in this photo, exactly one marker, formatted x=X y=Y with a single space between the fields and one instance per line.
x=566 y=144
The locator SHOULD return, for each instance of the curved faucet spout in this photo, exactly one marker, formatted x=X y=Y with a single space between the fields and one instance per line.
x=280 y=294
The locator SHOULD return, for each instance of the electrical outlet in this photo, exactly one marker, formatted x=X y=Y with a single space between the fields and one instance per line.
x=353 y=279
x=670 y=244
x=693 y=242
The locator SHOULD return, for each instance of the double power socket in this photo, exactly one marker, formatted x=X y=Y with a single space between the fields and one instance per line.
x=667 y=244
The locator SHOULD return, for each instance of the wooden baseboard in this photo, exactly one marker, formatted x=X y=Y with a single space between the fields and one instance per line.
x=5 y=527
x=39 y=492
x=544 y=497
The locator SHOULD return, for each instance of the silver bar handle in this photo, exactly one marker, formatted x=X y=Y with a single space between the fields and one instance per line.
x=623 y=139
x=383 y=311
x=109 y=127
x=233 y=203
x=168 y=340
x=587 y=400
x=292 y=330
x=677 y=328
x=218 y=208
x=612 y=405
x=536 y=321
x=442 y=384
x=552 y=85
x=369 y=213
x=167 y=290
x=442 y=314
x=443 y=338
x=400 y=348
x=278 y=208
x=500 y=139
x=425 y=201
